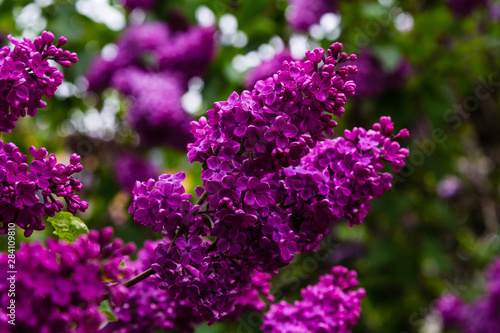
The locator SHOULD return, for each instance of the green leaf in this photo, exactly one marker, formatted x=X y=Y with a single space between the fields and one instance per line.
x=105 y=308
x=67 y=226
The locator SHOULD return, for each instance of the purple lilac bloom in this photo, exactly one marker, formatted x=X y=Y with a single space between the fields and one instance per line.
x=26 y=76
x=267 y=68
x=146 y=309
x=465 y=7
x=480 y=316
x=27 y=190
x=273 y=183
x=130 y=168
x=59 y=287
x=329 y=306
x=302 y=14
x=155 y=112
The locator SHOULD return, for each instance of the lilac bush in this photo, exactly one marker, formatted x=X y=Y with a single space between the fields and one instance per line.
x=26 y=76
x=27 y=189
x=59 y=287
x=273 y=183
x=331 y=306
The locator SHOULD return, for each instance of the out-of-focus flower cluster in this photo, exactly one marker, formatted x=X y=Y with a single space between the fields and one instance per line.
x=59 y=287
x=373 y=79
x=152 y=66
x=273 y=183
x=329 y=306
x=27 y=190
x=480 y=316
x=147 y=309
x=302 y=14
x=129 y=168
x=465 y=7
x=132 y=4
x=26 y=76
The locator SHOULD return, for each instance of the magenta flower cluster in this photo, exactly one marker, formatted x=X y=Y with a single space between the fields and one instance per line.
x=146 y=309
x=59 y=287
x=480 y=316
x=26 y=76
x=329 y=306
x=152 y=67
x=273 y=183
x=27 y=189
x=302 y=14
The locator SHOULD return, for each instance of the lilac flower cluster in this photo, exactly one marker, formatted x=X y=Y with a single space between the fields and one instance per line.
x=27 y=190
x=302 y=14
x=152 y=67
x=130 y=167
x=267 y=68
x=59 y=287
x=145 y=309
x=155 y=111
x=273 y=184
x=480 y=316
x=462 y=8
x=26 y=76
x=373 y=79
x=329 y=306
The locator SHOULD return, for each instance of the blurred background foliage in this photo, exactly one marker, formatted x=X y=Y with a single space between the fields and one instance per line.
x=437 y=229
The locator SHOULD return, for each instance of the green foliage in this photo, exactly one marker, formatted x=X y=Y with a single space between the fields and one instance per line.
x=67 y=226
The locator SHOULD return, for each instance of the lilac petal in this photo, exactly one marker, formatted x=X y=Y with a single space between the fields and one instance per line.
x=321 y=95
x=290 y=131
x=249 y=198
x=213 y=163
x=282 y=141
x=270 y=134
x=181 y=243
x=194 y=242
